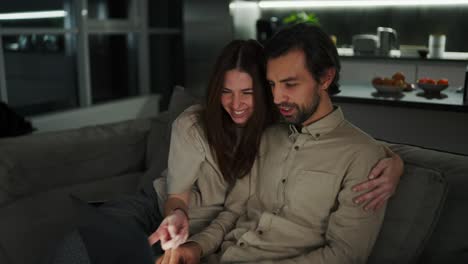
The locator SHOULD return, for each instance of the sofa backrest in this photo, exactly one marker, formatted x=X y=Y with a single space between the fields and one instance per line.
x=42 y=162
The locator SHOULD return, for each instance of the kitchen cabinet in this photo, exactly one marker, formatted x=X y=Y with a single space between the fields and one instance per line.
x=430 y=128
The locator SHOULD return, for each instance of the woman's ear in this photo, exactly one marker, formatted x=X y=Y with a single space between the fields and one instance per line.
x=327 y=78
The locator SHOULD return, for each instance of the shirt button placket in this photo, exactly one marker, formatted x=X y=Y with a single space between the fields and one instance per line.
x=277 y=211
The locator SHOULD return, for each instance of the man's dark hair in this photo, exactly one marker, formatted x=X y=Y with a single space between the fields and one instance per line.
x=320 y=52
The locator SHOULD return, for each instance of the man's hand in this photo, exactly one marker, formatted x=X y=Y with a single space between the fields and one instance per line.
x=188 y=253
x=173 y=231
x=382 y=183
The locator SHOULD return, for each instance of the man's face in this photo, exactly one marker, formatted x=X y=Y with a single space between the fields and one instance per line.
x=296 y=93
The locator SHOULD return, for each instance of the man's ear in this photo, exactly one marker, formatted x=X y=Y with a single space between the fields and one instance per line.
x=327 y=78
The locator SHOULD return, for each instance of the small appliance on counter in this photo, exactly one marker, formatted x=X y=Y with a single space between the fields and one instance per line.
x=436 y=46
x=365 y=44
x=380 y=44
x=388 y=40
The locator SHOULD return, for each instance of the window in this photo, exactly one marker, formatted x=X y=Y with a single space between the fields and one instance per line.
x=113 y=66
x=63 y=54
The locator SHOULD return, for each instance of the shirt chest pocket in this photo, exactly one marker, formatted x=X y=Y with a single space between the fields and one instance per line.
x=312 y=192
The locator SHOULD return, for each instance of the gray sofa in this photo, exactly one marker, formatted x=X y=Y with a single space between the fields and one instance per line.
x=425 y=221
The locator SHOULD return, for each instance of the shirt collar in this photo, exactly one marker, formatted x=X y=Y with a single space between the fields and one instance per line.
x=322 y=126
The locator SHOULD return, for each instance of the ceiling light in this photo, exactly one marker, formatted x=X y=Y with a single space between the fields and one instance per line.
x=33 y=15
x=360 y=4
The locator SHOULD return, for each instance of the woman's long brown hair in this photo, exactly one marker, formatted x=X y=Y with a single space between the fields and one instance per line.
x=235 y=156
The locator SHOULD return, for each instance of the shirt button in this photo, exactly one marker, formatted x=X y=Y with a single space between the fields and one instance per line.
x=283 y=180
x=317 y=135
x=260 y=232
x=242 y=244
x=296 y=147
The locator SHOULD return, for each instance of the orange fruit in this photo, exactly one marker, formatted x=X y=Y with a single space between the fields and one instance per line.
x=377 y=81
x=398 y=76
x=387 y=81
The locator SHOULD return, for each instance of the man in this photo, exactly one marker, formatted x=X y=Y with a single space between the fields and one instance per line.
x=299 y=205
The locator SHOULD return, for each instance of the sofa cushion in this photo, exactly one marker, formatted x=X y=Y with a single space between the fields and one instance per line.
x=46 y=161
x=40 y=220
x=161 y=125
x=160 y=134
x=412 y=213
x=157 y=152
x=448 y=243
x=181 y=99
x=31 y=227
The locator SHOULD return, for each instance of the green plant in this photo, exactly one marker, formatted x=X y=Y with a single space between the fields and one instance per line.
x=301 y=17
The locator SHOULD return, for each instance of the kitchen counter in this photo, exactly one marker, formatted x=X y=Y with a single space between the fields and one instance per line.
x=348 y=53
x=449 y=99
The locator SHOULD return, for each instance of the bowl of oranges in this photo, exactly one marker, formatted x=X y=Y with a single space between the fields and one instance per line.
x=432 y=86
x=396 y=84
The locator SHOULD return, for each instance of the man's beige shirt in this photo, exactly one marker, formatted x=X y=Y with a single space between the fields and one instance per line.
x=299 y=200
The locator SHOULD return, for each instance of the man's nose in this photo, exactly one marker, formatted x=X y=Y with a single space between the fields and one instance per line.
x=278 y=95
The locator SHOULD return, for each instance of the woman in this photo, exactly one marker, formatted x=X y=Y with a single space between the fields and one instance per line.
x=213 y=146
x=217 y=142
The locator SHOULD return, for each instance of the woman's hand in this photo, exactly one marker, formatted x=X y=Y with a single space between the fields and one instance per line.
x=188 y=253
x=173 y=231
x=382 y=183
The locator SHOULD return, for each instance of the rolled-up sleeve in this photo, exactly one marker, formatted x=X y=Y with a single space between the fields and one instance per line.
x=211 y=237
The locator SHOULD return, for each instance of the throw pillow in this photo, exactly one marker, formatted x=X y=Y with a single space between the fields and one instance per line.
x=160 y=134
x=411 y=216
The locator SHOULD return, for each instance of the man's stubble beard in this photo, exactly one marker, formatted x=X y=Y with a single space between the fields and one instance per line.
x=303 y=113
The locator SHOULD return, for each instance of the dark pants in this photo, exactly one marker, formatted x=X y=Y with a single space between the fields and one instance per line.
x=116 y=232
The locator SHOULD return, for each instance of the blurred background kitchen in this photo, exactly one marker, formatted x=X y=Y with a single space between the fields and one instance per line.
x=68 y=63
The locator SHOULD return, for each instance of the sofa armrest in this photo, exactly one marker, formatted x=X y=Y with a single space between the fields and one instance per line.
x=41 y=162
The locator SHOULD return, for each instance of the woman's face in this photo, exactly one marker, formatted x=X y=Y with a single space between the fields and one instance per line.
x=237 y=96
